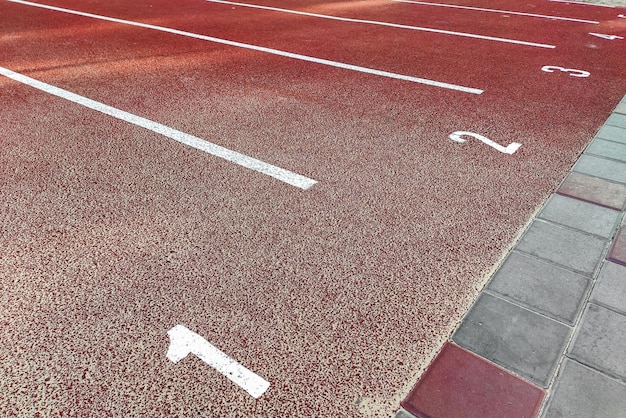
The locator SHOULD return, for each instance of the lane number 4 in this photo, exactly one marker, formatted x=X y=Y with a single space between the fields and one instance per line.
x=509 y=149
x=572 y=72
x=604 y=36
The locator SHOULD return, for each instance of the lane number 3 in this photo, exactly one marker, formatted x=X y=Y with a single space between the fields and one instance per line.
x=509 y=149
x=572 y=72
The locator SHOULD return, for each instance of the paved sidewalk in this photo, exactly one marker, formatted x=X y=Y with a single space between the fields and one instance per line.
x=605 y=2
x=547 y=335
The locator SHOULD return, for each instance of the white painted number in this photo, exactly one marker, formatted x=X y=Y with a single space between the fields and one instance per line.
x=183 y=341
x=572 y=73
x=510 y=149
x=603 y=36
x=622 y=16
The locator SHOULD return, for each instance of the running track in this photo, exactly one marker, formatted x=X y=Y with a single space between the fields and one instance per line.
x=282 y=184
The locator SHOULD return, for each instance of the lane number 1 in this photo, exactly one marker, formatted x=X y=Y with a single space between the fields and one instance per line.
x=509 y=149
x=184 y=341
x=572 y=72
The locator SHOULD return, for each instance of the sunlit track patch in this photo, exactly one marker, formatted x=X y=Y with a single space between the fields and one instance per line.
x=387 y=24
x=508 y=12
x=257 y=48
x=182 y=137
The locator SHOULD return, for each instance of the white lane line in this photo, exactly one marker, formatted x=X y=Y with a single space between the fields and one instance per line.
x=391 y=25
x=582 y=3
x=183 y=341
x=278 y=52
x=253 y=164
x=508 y=12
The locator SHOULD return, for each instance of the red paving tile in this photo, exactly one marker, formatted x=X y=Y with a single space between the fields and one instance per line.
x=461 y=384
x=594 y=190
x=617 y=254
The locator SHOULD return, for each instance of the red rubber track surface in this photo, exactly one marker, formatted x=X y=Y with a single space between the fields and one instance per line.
x=339 y=295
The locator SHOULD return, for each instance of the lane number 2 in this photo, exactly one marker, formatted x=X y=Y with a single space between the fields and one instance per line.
x=184 y=341
x=509 y=149
x=572 y=72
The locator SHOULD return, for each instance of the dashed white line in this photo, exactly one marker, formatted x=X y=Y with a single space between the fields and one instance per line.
x=243 y=160
x=391 y=25
x=272 y=51
x=508 y=12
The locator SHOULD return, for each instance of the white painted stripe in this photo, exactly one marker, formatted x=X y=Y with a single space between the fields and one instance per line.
x=182 y=137
x=583 y=3
x=183 y=341
x=266 y=50
x=508 y=12
x=391 y=25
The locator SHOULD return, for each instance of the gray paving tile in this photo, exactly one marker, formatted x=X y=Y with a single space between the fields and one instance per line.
x=609 y=149
x=403 y=414
x=581 y=215
x=600 y=340
x=621 y=108
x=610 y=288
x=541 y=286
x=581 y=392
x=616 y=120
x=601 y=167
x=515 y=338
x=567 y=247
x=594 y=190
x=612 y=133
